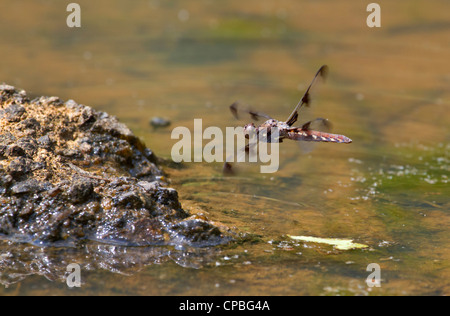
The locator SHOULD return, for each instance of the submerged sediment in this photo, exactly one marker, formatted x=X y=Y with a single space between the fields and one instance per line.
x=70 y=173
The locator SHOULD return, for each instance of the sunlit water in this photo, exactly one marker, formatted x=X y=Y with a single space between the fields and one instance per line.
x=387 y=90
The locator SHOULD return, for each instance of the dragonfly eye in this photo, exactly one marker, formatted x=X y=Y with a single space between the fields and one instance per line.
x=249 y=128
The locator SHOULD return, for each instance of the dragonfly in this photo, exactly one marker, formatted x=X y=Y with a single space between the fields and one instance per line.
x=285 y=129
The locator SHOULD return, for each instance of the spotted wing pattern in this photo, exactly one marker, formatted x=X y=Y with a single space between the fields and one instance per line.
x=238 y=108
x=306 y=99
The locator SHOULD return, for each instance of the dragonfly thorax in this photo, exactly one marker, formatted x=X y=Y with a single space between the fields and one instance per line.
x=270 y=123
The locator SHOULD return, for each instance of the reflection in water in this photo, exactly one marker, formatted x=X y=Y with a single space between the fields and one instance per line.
x=18 y=261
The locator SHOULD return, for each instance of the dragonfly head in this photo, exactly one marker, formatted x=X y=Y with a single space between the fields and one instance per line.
x=249 y=128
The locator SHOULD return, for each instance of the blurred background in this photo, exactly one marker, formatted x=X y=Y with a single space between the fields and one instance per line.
x=388 y=90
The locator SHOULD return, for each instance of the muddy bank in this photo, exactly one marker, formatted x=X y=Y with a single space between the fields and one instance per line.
x=69 y=173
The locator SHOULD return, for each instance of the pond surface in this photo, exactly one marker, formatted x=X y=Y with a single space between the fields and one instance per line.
x=388 y=90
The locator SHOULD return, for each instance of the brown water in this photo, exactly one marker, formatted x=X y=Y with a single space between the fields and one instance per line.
x=388 y=90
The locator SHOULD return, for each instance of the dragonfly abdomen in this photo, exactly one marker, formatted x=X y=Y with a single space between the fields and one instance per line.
x=316 y=136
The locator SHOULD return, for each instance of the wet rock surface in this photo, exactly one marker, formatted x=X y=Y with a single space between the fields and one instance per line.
x=69 y=173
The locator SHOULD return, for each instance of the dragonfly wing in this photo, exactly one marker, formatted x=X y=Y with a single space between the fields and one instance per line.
x=318 y=124
x=306 y=99
x=238 y=110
